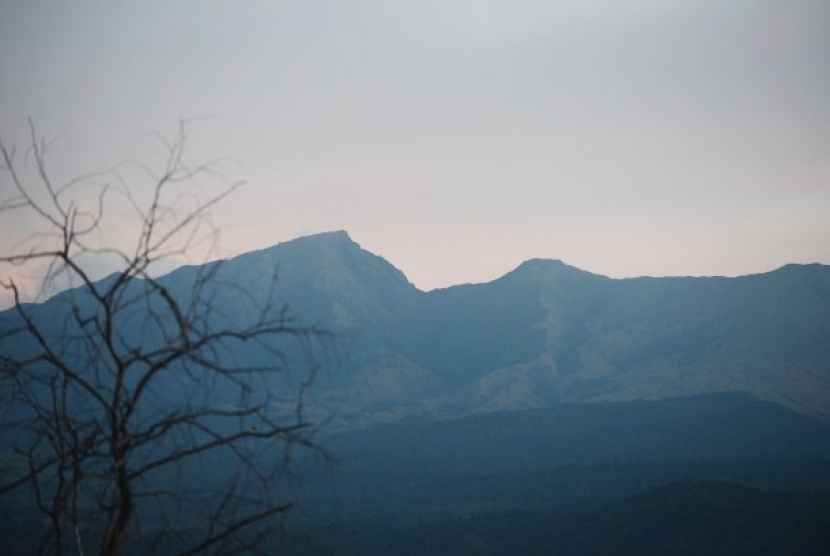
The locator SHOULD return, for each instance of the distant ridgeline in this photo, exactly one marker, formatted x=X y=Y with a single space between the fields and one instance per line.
x=543 y=334
x=549 y=411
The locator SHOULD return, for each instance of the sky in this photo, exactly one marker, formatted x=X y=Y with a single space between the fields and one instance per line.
x=456 y=138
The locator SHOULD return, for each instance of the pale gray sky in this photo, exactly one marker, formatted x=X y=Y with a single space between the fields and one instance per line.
x=459 y=138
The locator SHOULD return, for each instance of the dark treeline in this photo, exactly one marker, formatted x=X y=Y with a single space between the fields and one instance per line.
x=680 y=518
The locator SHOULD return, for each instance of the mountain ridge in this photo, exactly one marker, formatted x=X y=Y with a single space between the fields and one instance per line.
x=340 y=238
x=547 y=332
x=543 y=334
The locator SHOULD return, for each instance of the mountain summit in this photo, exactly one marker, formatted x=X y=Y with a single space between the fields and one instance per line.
x=547 y=333
x=543 y=334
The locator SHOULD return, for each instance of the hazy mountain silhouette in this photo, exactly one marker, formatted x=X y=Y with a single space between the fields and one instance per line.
x=543 y=334
x=547 y=333
x=463 y=409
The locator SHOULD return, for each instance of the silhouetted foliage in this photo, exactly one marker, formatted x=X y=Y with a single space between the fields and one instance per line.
x=131 y=416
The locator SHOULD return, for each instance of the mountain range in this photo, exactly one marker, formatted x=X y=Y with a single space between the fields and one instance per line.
x=544 y=334
x=551 y=407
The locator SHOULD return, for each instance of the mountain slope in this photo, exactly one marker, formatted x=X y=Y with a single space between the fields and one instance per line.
x=543 y=334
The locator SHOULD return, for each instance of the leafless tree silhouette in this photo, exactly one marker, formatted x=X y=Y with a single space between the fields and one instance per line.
x=143 y=413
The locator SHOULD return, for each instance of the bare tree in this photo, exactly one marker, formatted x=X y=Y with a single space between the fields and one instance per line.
x=143 y=412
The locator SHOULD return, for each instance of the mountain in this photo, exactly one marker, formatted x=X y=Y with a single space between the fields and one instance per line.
x=548 y=333
x=544 y=334
x=549 y=408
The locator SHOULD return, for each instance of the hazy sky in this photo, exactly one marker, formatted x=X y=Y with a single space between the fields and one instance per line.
x=459 y=138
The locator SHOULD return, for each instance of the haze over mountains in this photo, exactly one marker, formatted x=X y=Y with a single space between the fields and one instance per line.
x=544 y=334
x=549 y=407
x=461 y=413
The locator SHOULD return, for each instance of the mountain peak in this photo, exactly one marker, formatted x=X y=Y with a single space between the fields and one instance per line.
x=335 y=237
x=544 y=269
x=538 y=264
x=801 y=268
